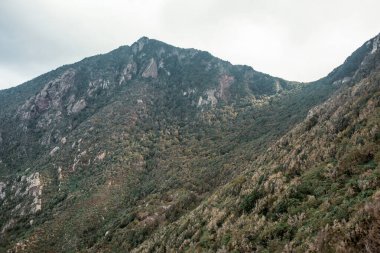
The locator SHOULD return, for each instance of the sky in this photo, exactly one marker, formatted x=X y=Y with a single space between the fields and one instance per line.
x=299 y=40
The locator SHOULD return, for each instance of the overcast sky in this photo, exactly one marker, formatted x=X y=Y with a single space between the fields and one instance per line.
x=298 y=40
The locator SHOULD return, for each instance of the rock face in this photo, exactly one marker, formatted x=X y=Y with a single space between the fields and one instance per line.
x=50 y=96
x=151 y=69
x=211 y=99
x=78 y=106
x=53 y=151
x=2 y=190
x=128 y=72
x=225 y=82
x=22 y=196
x=153 y=148
x=34 y=189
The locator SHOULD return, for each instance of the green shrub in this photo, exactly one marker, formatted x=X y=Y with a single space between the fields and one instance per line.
x=249 y=201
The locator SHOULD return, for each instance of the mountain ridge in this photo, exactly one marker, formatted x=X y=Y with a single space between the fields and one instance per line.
x=111 y=152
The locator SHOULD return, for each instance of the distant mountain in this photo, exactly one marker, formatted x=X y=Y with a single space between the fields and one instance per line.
x=153 y=148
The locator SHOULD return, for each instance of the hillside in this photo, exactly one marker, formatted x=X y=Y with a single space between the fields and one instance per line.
x=156 y=148
x=316 y=189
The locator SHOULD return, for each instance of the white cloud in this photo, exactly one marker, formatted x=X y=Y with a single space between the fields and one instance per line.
x=293 y=39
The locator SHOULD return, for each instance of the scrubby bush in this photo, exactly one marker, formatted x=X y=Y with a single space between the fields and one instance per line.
x=249 y=201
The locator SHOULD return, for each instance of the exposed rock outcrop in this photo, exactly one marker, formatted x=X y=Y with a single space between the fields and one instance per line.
x=151 y=69
x=78 y=106
x=2 y=190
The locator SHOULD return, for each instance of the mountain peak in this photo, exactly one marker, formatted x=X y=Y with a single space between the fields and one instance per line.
x=141 y=43
x=143 y=39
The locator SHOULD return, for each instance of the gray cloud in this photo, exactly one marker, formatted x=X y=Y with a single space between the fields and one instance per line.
x=293 y=39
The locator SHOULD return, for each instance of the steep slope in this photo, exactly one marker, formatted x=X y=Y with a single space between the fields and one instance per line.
x=101 y=154
x=315 y=190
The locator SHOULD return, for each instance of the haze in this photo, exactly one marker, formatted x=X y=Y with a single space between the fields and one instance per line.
x=292 y=39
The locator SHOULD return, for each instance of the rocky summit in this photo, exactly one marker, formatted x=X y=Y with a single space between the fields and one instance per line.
x=154 y=148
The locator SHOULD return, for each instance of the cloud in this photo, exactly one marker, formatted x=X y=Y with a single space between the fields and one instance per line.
x=296 y=40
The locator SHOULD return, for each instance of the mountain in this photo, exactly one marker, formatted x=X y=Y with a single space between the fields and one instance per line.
x=153 y=148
